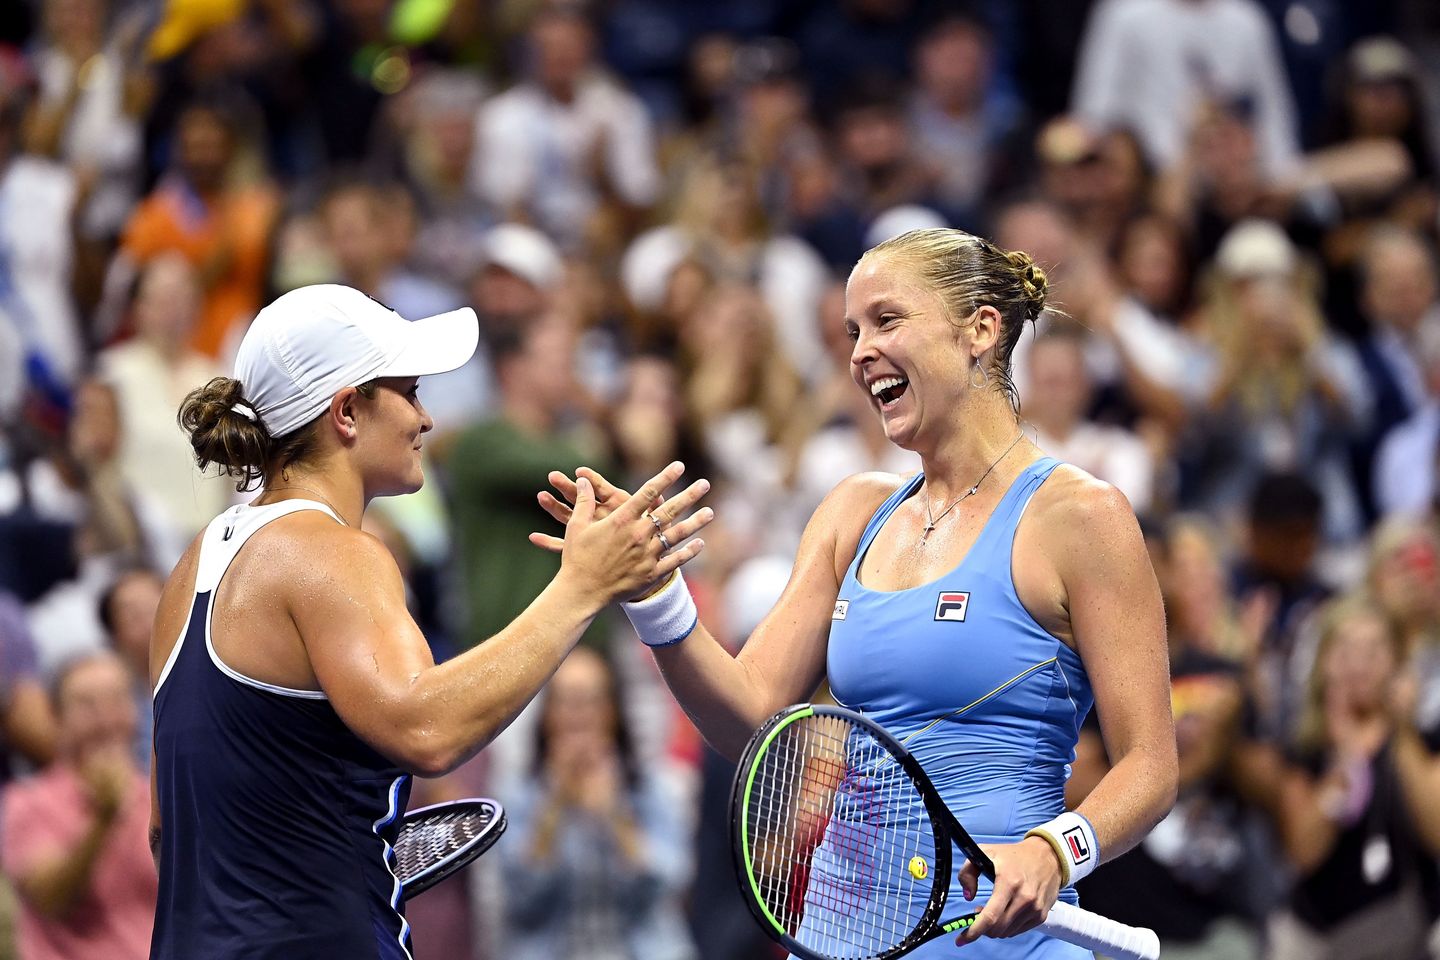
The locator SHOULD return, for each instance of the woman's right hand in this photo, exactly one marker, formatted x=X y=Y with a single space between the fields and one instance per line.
x=620 y=554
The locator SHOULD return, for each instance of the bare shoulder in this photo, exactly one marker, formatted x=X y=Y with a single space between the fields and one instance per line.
x=1079 y=502
x=1080 y=517
x=861 y=492
x=850 y=505
x=308 y=549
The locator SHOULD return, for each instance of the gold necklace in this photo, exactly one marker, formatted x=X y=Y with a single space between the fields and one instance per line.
x=294 y=486
x=930 y=521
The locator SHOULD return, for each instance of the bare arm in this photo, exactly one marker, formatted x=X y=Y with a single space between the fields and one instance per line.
x=1118 y=624
x=783 y=662
x=1308 y=813
x=54 y=886
x=370 y=658
x=28 y=724
x=1119 y=628
x=1419 y=772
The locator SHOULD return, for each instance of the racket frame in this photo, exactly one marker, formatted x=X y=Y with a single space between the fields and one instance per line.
x=452 y=863
x=945 y=828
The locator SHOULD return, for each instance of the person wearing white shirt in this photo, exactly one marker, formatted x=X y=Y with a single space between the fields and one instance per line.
x=550 y=147
x=1149 y=65
x=1055 y=404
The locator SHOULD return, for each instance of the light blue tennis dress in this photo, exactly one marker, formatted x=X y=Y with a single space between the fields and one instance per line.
x=1013 y=697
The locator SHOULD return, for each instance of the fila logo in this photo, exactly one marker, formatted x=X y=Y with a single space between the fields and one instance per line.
x=842 y=607
x=1075 y=840
x=952 y=605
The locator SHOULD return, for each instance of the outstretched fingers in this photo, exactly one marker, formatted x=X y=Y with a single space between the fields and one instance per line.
x=649 y=492
x=677 y=558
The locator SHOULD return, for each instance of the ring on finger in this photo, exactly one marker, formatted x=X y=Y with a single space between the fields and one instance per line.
x=659 y=530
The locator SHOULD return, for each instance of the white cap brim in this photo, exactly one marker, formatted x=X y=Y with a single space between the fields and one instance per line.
x=436 y=344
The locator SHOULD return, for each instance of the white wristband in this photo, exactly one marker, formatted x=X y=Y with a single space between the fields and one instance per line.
x=665 y=617
x=1073 y=839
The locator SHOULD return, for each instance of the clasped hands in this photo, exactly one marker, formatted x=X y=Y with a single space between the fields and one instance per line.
x=667 y=523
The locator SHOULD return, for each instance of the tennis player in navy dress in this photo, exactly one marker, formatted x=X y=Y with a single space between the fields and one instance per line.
x=294 y=695
x=977 y=610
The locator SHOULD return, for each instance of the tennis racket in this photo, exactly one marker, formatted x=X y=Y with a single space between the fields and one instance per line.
x=843 y=846
x=436 y=841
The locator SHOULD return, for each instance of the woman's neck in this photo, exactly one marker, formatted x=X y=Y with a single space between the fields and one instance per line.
x=985 y=439
x=344 y=496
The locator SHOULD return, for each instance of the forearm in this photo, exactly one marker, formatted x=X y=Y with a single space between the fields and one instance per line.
x=1307 y=832
x=452 y=710
x=1128 y=801
x=720 y=693
x=53 y=888
x=1419 y=772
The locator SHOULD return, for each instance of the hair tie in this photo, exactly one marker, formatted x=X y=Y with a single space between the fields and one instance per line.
x=245 y=411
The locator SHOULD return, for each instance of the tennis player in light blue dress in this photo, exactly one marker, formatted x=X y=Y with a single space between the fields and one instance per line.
x=976 y=610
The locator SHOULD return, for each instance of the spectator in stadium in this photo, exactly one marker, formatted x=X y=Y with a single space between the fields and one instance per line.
x=721 y=227
x=27 y=729
x=205 y=209
x=1186 y=880
x=881 y=163
x=73 y=836
x=1405 y=462
x=369 y=229
x=519 y=277
x=1057 y=405
x=436 y=144
x=1286 y=393
x=925 y=311
x=93 y=92
x=1402 y=578
x=1153 y=66
x=1356 y=815
x=127 y=612
x=587 y=144
x=40 y=327
x=27 y=723
x=150 y=374
x=495 y=466
x=1400 y=302
x=598 y=850
x=1378 y=110
x=1275 y=580
x=960 y=122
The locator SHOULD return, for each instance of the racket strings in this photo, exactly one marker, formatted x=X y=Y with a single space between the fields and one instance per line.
x=424 y=843
x=843 y=844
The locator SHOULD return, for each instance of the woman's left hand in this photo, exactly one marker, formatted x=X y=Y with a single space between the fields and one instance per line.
x=1027 y=881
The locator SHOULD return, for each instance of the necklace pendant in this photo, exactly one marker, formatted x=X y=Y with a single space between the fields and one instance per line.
x=926 y=534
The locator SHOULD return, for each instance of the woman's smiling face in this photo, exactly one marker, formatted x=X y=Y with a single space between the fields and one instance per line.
x=907 y=355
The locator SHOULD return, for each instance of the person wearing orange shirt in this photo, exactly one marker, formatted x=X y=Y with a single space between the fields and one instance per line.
x=220 y=224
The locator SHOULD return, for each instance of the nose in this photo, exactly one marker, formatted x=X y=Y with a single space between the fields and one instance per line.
x=861 y=352
x=426 y=423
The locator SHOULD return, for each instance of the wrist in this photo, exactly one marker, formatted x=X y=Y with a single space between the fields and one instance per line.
x=1072 y=839
x=665 y=617
x=571 y=591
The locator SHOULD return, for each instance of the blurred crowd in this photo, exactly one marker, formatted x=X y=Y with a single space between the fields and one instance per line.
x=652 y=205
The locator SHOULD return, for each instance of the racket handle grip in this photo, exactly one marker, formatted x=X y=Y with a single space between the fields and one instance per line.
x=1094 y=932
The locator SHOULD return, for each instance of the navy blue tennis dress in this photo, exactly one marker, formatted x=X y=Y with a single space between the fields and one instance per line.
x=277 y=820
x=1012 y=696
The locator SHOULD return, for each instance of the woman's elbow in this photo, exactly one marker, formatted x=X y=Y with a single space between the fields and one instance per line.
x=426 y=754
x=1166 y=778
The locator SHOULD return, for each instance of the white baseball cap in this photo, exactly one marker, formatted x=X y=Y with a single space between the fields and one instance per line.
x=314 y=341
x=525 y=252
